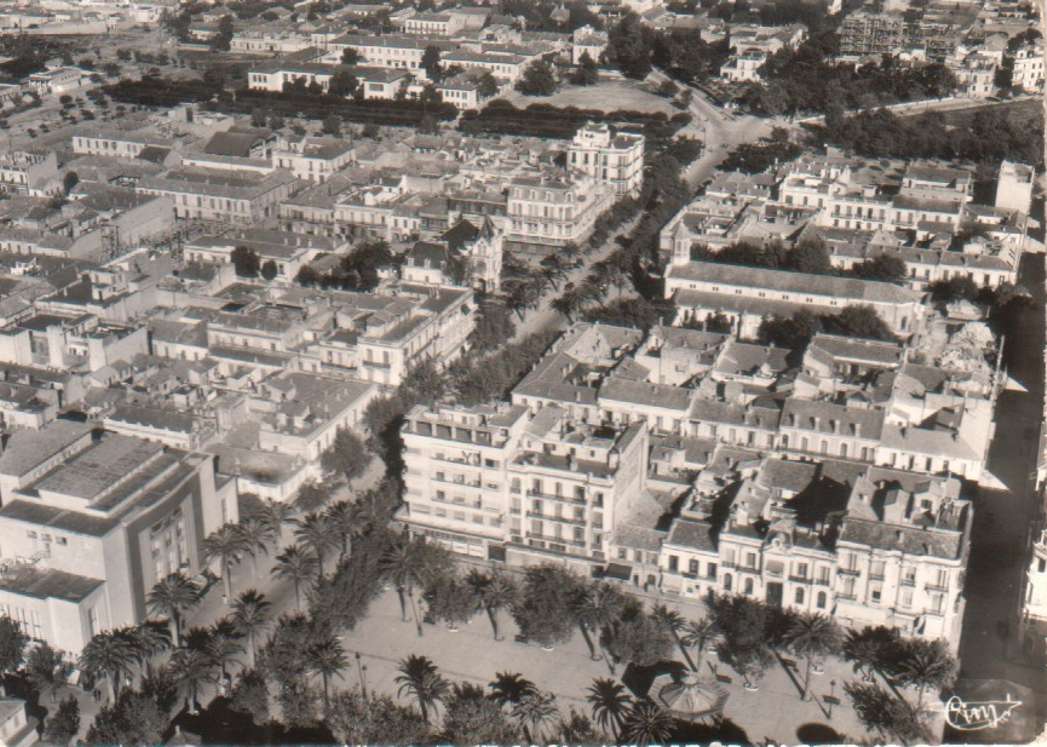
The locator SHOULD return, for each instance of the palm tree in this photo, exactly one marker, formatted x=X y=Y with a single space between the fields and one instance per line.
x=813 y=637
x=223 y=644
x=327 y=658
x=342 y=519
x=697 y=634
x=257 y=537
x=190 y=668
x=507 y=688
x=610 y=704
x=171 y=598
x=865 y=649
x=533 y=712
x=226 y=544
x=493 y=593
x=420 y=678
x=300 y=567
x=926 y=664
x=316 y=532
x=404 y=565
x=597 y=609
x=149 y=639
x=674 y=622
x=647 y=723
x=111 y=654
x=252 y=614
x=274 y=515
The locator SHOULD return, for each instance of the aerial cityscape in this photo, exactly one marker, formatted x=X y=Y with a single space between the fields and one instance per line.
x=522 y=372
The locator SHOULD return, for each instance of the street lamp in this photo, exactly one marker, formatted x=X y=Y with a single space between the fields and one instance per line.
x=361 y=668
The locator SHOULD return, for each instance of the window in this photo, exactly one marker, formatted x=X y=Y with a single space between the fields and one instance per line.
x=674 y=564
x=820 y=600
x=750 y=560
x=692 y=567
x=875 y=594
x=799 y=596
x=905 y=599
x=1041 y=565
x=727 y=582
x=938 y=603
x=748 y=587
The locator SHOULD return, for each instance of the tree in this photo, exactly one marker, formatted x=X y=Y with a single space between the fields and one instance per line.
x=48 y=670
x=597 y=608
x=354 y=719
x=220 y=41
x=813 y=637
x=646 y=723
x=317 y=533
x=868 y=649
x=543 y=610
x=251 y=696
x=534 y=711
x=190 y=668
x=134 y=718
x=69 y=181
x=640 y=639
x=888 y=268
x=956 y=288
x=269 y=270
x=410 y=563
x=222 y=643
x=697 y=634
x=257 y=536
x=471 y=719
x=343 y=83
x=629 y=47
x=64 y=723
x=226 y=545
x=431 y=63
x=326 y=657
x=926 y=664
x=297 y=566
x=332 y=125
x=449 y=600
x=419 y=678
x=171 y=598
x=508 y=688
x=879 y=711
x=858 y=321
x=610 y=704
x=252 y=614
x=111 y=654
x=496 y=593
x=538 y=79
x=487 y=85
x=246 y=262
x=311 y=497
x=350 y=56
x=12 y=648
x=810 y=256
x=586 y=74
x=792 y=333
x=346 y=456
x=307 y=276
x=258 y=117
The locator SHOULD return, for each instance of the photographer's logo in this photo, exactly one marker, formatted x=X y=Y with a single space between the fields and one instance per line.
x=978 y=715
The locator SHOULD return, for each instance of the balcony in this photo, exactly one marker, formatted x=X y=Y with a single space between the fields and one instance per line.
x=561 y=498
x=800 y=579
x=822 y=581
x=558 y=540
x=848 y=571
x=564 y=519
x=876 y=576
x=910 y=582
x=845 y=596
x=936 y=587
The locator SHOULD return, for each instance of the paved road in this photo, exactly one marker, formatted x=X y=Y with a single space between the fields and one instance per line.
x=1002 y=517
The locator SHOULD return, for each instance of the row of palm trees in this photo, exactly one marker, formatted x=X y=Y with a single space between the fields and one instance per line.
x=536 y=712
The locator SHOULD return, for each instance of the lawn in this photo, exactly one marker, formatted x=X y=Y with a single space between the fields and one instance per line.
x=607 y=96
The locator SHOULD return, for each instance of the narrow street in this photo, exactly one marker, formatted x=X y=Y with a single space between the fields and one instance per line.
x=1001 y=520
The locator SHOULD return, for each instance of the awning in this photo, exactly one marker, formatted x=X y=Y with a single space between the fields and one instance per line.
x=620 y=571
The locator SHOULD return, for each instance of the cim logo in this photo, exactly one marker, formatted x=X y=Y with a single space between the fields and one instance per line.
x=978 y=715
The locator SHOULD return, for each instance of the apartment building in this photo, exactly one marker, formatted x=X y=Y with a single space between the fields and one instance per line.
x=744 y=67
x=314 y=159
x=456 y=489
x=289 y=252
x=538 y=486
x=748 y=294
x=22 y=172
x=507 y=66
x=1028 y=71
x=609 y=157
x=552 y=210
x=237 y=197
x=433 y=24
x=92 y=520
x=389 y=51
x=269 y=40
x=374 y=82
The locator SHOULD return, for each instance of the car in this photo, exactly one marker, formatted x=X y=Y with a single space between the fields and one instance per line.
x=31 y=132
x=44 y=128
